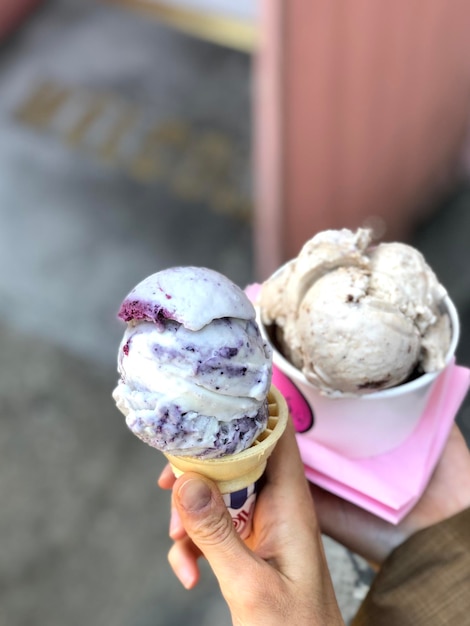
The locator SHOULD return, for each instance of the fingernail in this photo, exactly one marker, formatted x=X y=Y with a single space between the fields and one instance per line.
x=194 y=495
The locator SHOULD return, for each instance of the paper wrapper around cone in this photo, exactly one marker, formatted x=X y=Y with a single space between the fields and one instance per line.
x=237 y=472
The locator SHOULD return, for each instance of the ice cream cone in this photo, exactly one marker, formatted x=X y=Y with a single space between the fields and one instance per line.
x=238 y=471
x=236 y=475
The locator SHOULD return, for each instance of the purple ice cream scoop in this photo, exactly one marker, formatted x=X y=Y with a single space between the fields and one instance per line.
x=195 y=371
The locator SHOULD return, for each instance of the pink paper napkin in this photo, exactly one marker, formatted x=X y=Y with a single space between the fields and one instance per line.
x=388 y=485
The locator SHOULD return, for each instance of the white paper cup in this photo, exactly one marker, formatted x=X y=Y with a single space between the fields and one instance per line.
x=359 y=426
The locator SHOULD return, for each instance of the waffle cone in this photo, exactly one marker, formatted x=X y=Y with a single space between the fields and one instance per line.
x=237 y=471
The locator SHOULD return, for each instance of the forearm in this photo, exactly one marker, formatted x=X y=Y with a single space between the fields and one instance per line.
x=425 y=581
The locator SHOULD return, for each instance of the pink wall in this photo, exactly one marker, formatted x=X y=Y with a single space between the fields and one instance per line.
x=12 y=12
x=361 y=110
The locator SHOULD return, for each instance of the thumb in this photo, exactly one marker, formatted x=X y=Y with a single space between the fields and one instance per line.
x=207 y=522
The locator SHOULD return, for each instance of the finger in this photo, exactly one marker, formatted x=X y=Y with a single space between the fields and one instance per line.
x=176 y=530
x=285 y=515
x=166 y=479
x=207 y=522
x=285 y=475
x=183 y=558
x=285 y=467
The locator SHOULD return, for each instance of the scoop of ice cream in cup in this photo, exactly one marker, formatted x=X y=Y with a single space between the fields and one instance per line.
x=362 y=332
x=195 y=381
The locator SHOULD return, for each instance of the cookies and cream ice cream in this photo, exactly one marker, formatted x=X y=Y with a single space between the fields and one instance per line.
x=355 y=317
x=194 y=369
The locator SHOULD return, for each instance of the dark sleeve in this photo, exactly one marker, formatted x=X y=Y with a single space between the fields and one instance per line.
x=425 y=581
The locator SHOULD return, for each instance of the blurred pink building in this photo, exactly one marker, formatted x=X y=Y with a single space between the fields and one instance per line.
x=361 y=112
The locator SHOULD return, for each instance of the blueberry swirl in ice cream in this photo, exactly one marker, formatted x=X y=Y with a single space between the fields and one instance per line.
x=195 y=371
